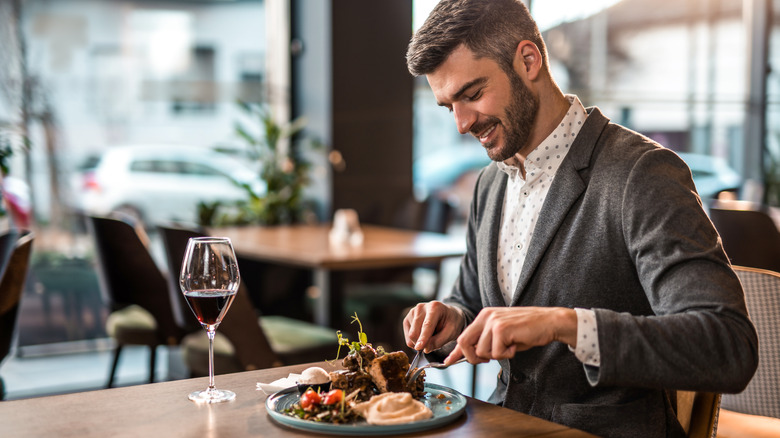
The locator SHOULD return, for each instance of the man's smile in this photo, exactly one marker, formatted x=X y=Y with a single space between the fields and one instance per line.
x=483 y=137
x=485 y=132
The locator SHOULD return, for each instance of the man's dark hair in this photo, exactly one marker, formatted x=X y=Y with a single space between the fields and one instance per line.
x=489 y=28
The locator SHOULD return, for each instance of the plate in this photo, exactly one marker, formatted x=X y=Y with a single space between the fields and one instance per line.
x=279 y=401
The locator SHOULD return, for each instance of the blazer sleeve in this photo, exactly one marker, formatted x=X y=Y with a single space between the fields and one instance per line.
x=700 y=336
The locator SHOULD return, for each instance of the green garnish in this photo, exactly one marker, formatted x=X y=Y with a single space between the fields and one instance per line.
x=354 y=347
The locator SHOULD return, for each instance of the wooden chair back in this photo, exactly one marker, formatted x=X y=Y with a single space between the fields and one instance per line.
x=240 y=325
x=8 y=242
x=129 y=275
x=750 y=236
x=697 y=412
x=12 y=284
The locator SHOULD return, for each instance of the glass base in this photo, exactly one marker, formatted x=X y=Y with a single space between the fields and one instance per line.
x=212 y=396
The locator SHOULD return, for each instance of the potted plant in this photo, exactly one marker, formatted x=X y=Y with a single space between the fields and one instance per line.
x=280 y=151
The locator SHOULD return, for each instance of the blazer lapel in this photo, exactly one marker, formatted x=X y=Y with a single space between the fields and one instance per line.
x=492 y=224
x=566 y=188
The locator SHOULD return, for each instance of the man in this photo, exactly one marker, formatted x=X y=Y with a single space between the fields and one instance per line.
x=592 y=272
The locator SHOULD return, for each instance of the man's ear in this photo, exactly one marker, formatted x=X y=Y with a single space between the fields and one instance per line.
x=528 y=60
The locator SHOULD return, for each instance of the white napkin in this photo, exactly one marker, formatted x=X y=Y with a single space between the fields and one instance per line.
x=278 y=385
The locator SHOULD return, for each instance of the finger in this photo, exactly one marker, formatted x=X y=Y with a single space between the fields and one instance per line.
x=483 y=349
x=413 y=321
x=454 y=356
x=427 y=330
x=441 y=338
x=502 y=346
x=508 y=353
x=407 y=326
x=467 y=342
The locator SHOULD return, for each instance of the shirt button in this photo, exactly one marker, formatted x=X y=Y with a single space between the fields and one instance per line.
x=518 y=245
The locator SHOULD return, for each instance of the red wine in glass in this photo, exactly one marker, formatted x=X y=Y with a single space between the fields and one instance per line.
x=209 y=306
x=209 y=280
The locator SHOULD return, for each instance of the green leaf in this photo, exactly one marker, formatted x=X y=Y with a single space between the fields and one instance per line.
x=243 y=133
x=245 y=106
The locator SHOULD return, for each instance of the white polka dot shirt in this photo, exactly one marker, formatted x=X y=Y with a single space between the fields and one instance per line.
x=522 y=205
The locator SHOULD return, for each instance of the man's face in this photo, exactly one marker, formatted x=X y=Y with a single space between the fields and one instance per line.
x=496 y=108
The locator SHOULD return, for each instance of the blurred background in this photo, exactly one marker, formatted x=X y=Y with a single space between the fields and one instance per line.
x=155 y=108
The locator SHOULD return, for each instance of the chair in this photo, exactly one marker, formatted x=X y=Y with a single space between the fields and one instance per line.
x=750 y=236
x=762 y=296
x=140 y=307
x=755 y=412
x=245 y=341
x=15 y=249
x=697 y=412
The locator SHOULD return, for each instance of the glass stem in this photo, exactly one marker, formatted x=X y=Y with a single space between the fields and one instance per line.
x=211 y=330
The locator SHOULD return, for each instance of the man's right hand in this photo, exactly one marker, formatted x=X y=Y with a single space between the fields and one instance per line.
x=429 y=326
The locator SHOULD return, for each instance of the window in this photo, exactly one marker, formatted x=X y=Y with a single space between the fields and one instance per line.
x=105 y=74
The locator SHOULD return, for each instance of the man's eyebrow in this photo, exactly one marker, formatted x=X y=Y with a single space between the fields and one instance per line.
x=466 y=86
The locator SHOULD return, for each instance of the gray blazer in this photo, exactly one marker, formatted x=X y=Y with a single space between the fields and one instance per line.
x=622 y=231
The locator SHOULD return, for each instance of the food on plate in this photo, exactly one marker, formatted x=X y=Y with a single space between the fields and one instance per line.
x=353 y=381
x=368 y=374
x=393 y=408
x=389 y=372
x=314 y=376
x=330 y=407
x=372 y=372
x=310 y=398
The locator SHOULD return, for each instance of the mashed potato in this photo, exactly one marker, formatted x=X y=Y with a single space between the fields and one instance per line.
x=393 y=408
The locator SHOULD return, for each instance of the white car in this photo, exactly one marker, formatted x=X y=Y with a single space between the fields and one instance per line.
x=163 y=183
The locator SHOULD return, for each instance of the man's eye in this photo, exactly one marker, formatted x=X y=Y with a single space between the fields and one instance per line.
x=474 y=96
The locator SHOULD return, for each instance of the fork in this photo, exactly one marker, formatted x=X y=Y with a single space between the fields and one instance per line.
x=437 y=365
x=414 y=363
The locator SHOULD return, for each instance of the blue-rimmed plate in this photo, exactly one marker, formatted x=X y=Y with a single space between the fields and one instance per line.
x=447 y=405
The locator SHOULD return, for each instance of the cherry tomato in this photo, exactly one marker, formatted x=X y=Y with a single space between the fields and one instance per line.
x=333 y=397
x=310 y=398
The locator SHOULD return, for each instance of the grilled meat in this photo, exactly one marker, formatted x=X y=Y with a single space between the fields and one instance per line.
x=361 y=360
x=350 y=381
x=389 y=371
x=376 y=372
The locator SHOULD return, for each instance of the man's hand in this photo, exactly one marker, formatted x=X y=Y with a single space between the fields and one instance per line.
x=429 y=326
x=500 y=332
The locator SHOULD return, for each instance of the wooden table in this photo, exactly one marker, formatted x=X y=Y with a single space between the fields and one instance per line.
x=163 y=410
x=308 y=246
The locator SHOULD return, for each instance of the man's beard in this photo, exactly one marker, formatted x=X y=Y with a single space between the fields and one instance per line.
x=519 y=115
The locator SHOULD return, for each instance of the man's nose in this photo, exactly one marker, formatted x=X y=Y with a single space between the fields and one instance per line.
x=464 y=118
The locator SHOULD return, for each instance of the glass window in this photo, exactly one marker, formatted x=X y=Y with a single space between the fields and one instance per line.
x=189 y=168
x=103 y=74
x=144 y=166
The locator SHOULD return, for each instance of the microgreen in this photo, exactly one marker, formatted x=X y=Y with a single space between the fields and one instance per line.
x=354 y=347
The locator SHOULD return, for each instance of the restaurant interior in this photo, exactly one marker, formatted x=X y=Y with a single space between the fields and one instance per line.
x=293 y=127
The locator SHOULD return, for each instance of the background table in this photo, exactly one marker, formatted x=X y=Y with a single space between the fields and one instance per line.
x=163 y=410
x=308 y=246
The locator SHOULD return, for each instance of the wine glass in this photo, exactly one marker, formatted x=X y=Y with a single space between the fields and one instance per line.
x=209 y=280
